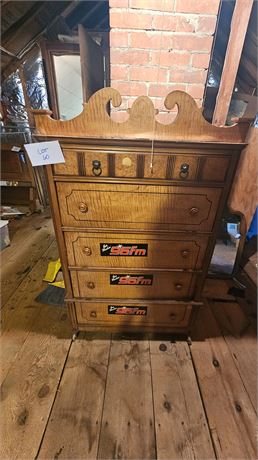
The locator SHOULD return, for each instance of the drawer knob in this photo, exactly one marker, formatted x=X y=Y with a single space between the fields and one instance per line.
x=172 y=315
x=178 y=286
x=90 y=285
x=185 y=253
x=193 y=211
x=83 y=207
x=93 y=314
x=86 y=251
x=184 y=171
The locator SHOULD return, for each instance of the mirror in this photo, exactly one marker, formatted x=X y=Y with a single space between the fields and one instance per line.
x=227 y=245
x=68 y=85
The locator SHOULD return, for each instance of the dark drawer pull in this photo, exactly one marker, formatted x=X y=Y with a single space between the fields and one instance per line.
x=96 y=168
x=86 y=251
x=90 y=285
x=178 y=286
x=83 y=207
x=173 y=315
x=193 y=211
x=93 y=314
x=185 y=253
x=184 y=171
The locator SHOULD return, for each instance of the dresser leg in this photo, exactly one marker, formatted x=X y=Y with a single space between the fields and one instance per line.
x=75 y=335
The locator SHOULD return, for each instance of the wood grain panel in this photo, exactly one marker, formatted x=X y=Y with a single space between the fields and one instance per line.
x=126 y=431
x=138 y=206
x=162 y=251
x=165 y=285
x=181 y=427
x=78 y=407
x=214 y=168
x=244 y=192
x=30 y=386
x=15 y=166
x=94 y=121
x=70 y=167
x=159 y=166
x=229 y=410
x=242 y=342
x=173 y=314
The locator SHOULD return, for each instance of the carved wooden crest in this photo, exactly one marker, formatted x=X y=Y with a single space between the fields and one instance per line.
x=94 y=121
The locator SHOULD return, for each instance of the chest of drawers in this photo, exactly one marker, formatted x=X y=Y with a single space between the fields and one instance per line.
x=136 y=207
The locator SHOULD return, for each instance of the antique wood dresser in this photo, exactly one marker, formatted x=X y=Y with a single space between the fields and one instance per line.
x=136 y=207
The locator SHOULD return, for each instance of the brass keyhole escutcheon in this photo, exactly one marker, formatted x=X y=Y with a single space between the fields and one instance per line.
x=185 y=253
x=126 y=161
x=83 y=207
x=93 y=314
x=90 y=285
x=86 y=251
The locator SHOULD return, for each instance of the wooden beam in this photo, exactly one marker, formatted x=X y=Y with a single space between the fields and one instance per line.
x=33 y=11
x=26 y=97
x=239 y=24
x=70 y=8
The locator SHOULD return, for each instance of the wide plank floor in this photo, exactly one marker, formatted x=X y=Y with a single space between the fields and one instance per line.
x=104 y=396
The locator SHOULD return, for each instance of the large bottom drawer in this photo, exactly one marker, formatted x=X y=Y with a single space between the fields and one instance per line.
x=133 y=285
x=139 y=314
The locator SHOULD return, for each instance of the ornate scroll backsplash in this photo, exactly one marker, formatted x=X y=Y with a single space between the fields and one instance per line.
x=95 y=122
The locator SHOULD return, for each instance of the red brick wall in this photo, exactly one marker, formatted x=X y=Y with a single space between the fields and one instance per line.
x=157 y=46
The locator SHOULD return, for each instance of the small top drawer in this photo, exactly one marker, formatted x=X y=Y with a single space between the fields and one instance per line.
x=181 y=167
x=149 y=207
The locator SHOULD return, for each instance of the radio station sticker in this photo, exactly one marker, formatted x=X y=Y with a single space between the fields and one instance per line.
x=124 y=249
x=126 y=310
x=125 y=279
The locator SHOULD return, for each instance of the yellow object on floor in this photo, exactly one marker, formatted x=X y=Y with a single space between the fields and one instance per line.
x=59 y=284
x=52 y=270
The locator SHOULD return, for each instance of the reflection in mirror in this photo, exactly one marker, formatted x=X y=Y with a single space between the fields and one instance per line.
x=69 y=85
x=227 y=245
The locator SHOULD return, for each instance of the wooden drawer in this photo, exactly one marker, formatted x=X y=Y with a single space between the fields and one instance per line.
x=136 y=164
x=130 y=251
x=132 y=284
x=167 y=315
x=152 y=207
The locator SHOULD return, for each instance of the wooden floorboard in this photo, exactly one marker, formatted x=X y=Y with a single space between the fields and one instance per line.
x=181 y=428
x=31 y=238
x=242 y=342
x=74 y=424
x=126 y=398
x=231 y=416
x=21 y=312
x=127 y=429
x=29 y=388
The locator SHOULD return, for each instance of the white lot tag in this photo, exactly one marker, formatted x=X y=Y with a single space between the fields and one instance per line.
x=45 y=153
x=15 y=149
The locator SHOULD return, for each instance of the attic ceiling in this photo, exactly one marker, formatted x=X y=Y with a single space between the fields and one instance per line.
x=24 y=23
x=246 y=80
